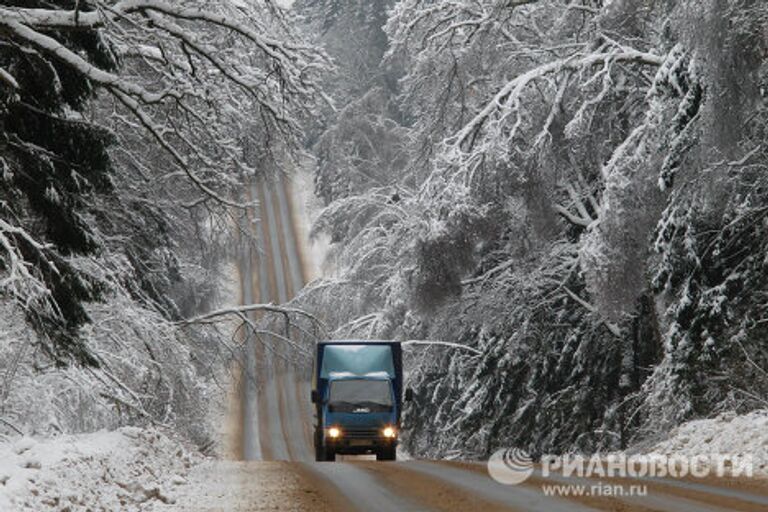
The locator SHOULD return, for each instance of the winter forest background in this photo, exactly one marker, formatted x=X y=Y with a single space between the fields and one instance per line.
x=576 y=188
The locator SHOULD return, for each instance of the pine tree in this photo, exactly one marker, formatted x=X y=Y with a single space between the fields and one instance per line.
x=54 y=162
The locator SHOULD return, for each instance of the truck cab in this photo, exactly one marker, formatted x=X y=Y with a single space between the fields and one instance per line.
x=357 y=394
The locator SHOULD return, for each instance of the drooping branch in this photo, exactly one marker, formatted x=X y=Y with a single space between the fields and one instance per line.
x=181 y=70
x=450 y=344
x=214 y=316
x=157 y=133
x=20 y=280
x=613 y=328
x=242 y=313
x=51 y=46
x=8 y=79
x=508 y=100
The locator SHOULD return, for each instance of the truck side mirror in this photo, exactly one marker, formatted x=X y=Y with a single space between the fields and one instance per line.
x=315 y=396
x=408 y=394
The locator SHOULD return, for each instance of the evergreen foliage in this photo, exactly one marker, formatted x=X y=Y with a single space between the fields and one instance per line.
x=55 y=162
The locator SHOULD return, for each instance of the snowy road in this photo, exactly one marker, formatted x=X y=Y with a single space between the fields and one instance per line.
x=277 y=418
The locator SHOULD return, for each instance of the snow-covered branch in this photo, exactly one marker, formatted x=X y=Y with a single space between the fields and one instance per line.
x=438 y=343
x=592 y=309
x=203 y=65
x=8 y=79
x=20 y=280
x=216 y=315
x=245 y=315
x=507 y=101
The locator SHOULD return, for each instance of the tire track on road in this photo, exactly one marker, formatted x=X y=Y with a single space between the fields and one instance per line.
x=271 y=289
x=362 y=490
x=297 y=422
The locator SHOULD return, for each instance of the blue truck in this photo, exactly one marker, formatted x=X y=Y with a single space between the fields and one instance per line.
x=358 y=395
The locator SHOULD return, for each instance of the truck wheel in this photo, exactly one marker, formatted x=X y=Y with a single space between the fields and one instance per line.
x=329 y=454
x=387 y=454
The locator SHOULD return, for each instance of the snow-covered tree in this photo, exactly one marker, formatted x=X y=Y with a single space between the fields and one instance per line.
x=177 y=82
x=549 y=144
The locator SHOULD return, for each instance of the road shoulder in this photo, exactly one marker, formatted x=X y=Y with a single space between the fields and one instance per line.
x=248 y=486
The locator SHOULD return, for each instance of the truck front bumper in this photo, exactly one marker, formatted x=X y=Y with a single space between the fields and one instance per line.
x=354 y=446
x=357 y=440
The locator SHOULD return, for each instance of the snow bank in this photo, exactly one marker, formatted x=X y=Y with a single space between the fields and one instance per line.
x=130 y=469
x=306 y=208
x=728 y=433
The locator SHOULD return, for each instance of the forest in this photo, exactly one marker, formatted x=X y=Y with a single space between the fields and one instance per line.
x=574 y=189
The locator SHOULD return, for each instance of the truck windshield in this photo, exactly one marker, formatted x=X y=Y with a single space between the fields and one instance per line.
x=360 y=395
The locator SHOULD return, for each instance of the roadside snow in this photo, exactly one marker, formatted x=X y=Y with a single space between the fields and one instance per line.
x=306 y=208
x=130 y=469
x=728 y=433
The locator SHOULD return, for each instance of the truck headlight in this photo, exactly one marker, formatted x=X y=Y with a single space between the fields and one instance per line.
x=334 y=432
x=390 y=432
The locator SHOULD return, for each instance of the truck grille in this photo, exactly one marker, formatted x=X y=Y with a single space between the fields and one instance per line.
x=361 y=433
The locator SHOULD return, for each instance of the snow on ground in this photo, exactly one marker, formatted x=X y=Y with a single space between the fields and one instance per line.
x=728 y=433
x=130 y=469
x=231 y=486
x=306 y=208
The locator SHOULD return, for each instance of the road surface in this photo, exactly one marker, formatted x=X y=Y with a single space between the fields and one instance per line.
x=275 y=415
